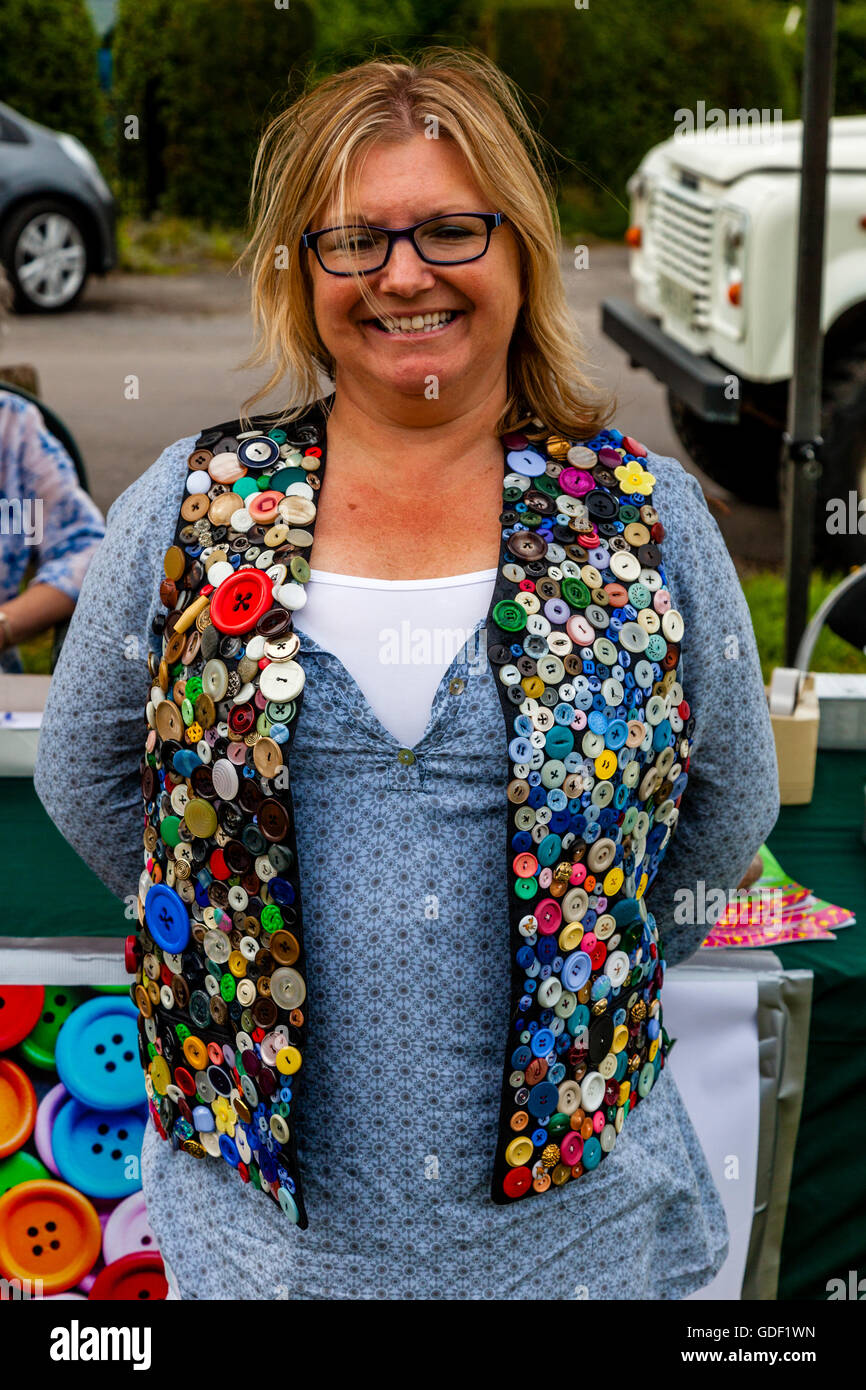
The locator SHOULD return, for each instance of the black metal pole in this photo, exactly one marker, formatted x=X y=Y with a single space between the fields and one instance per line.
x=802 y=449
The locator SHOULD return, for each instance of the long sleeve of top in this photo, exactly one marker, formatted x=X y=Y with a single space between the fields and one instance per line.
x=732 y=798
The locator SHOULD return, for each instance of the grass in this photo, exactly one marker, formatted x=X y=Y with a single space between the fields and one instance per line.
x=765 y=595
x=164 y=245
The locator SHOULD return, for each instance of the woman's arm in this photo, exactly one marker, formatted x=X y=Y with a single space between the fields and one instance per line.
x=732 y=798
x=93 y=729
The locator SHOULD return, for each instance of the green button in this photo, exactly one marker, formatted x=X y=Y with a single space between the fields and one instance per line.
x=526 y=887
x=21 y=1167
x=182 y=1032
x=278 y=435
x=547 y=484
x=228 y=987
x=628 y=513
x=575 y=592
x=169 y=829
x=263 y=724
x=300 y=570
x=187 y=713
x=58 y=1004
x=406 y=757
x=283 y=479
x=245 y=487
x=558 y=1124
x=193 y=688
x=272 y=918
x=510 y=616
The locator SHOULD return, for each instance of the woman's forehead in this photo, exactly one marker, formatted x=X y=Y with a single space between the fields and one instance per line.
x=399 y=183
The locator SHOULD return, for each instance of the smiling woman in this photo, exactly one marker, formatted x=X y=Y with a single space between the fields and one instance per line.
x=445 y=1075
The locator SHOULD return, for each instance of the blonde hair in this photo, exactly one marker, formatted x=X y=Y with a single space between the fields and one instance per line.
x=311 y=154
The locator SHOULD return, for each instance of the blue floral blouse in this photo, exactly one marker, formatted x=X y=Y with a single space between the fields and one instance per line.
x=43 y=509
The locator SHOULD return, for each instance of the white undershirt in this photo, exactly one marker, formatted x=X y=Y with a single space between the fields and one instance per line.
x=397 y=637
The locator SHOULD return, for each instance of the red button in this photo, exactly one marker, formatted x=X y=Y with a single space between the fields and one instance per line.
x=136 y=1278
x=20 y=1007
x=516 y=1182
x=131 y=954
x=240 y=601
x=184 y=1080
x=684 y=709
x=633 y=446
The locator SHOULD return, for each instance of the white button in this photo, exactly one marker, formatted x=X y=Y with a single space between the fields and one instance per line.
x=225 y=779
x=569 y=1097
x=282 y=681
x=592 y=1091
x=616 y=967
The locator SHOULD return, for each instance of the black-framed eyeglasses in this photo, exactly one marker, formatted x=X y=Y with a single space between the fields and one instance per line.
x=451 y=239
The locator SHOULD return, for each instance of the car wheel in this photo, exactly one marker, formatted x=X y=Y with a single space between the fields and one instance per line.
x=45 y=254
x=743 y=458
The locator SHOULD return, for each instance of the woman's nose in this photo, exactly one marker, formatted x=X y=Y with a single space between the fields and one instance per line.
x=405 y=274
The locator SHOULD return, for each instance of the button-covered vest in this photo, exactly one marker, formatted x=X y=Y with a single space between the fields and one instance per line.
x=584 y=647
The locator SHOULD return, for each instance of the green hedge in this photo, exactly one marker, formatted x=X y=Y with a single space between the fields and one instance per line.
x=606 y=81
x=49 y=69
x=203 y=79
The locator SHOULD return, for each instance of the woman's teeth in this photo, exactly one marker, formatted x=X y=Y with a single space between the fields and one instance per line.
x=418 y=323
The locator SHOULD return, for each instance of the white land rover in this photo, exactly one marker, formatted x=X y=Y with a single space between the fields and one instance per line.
x=713 y=240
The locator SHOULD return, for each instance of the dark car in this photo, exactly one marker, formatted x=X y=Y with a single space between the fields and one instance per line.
x=57 y=214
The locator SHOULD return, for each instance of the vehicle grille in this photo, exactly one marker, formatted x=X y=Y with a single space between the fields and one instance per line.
x=681 y=239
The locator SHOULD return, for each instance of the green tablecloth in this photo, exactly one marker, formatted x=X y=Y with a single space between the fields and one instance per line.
x=820 y=846
x=46 y=889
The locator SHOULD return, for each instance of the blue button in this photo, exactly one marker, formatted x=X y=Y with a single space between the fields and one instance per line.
x=591 y=1156
x=520 y=1058
x=543 y=1100
x=576 y=971
x=526 y=462
x=97 y=1054
x=543 y=1042
x=167 y=918
x=229 y=1150
x=92 y=1148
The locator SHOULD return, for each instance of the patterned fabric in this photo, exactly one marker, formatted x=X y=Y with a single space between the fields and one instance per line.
x=38 y=478
x=397 y=1183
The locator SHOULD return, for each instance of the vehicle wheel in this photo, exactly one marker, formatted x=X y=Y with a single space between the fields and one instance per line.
x=743 y=458
x=45 y=254
x=843 y=459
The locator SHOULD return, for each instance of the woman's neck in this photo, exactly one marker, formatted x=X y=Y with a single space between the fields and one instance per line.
x=438 y=442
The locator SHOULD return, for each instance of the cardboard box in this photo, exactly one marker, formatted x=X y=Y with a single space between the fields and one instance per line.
x=796 y=738
x=22 y=700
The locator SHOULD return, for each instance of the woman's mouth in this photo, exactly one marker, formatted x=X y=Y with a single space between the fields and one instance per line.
x=415 y=325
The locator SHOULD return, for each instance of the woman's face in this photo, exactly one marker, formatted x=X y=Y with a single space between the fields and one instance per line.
x=400 y=184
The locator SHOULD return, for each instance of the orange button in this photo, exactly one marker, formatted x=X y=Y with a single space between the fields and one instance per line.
x=17 y=1107
x=48 y=1231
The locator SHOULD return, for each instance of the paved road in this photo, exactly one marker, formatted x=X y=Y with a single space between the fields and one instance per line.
x=184 y=336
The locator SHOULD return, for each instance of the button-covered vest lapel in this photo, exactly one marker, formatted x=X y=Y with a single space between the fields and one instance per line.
x=584 y=647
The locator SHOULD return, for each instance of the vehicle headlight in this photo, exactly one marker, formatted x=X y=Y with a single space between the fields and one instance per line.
x=734 y=226
x=81 y=155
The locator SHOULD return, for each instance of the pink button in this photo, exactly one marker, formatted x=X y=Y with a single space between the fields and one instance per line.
x=598 y=1121
x=571 y=1148
x=661 y=600
x=579 y=630
x=579 y=720
x=588 y=942
x=548 y=915
x=578 y=874
x=127 y=1229
x=545 y=878
x=237 y=753
x=575 y=482
x=49 y=1107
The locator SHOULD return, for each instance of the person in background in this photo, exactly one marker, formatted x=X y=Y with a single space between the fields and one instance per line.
x=44 y=512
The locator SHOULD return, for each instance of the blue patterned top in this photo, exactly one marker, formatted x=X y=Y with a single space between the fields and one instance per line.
x=406 y=934
x=45 y=511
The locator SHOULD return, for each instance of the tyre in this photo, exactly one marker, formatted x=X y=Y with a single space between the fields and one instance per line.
x=44 y=251
x=744 y=458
